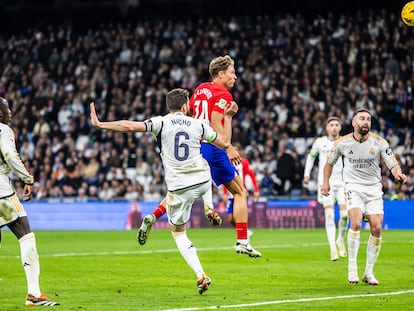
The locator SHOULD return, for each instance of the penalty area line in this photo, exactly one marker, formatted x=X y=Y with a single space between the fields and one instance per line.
x=276 y=302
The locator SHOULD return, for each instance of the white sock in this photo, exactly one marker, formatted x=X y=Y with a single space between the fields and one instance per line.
x=353 y=247
x=330 y=227
x=30 y=261
x=208 y=199
x=373 y=250
x=188 y=251
x=342 y=225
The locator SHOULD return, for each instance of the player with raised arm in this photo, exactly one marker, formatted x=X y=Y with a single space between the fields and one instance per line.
x=12 y=213
x=187 y=173
x=361 y=152
x=208 y=104
x=320 y=148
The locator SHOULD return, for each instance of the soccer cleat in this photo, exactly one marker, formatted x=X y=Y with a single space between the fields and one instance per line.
x=334 y=255
x=212 y=216
x=353 y=277
x=341 y=248
x=203 y=283
x=145 y=228
x=370 y=279
x=246 y=249
x=40 y=301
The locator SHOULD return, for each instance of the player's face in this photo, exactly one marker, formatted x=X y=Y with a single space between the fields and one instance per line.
x=5 y=114
x=228 y=77
x=185 y=109
x=333 y=129
x=362 y=123
x=8 y=116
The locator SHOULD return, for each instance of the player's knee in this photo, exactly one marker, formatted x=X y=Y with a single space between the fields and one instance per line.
x=376 y=230
x=356 y=225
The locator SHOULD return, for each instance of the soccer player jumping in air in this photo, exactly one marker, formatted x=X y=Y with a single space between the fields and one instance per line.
x=187 y=173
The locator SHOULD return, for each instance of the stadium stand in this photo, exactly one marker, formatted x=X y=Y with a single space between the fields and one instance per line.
x=294 y=70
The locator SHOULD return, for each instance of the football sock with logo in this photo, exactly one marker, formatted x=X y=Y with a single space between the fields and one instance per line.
x=30 y=261
x=353 y=248
x=342 y=224
x=330 y=227
x=188 y=251
x=241 y=231
x=373 y=250
x=208 y=198
x=159 y=211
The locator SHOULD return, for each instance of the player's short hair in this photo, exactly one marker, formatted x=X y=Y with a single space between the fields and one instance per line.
x=4 y=110
x=218 y=64
x=361 y=110
x=176 y=98
x=333 y=118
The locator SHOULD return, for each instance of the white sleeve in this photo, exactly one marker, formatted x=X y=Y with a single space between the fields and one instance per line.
x=11 y=156
x=310 y=159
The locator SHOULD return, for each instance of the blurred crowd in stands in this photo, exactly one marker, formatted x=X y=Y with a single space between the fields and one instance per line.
x=292 y=74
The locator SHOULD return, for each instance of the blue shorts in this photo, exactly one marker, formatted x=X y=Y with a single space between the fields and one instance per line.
x=230 y=205
x=222 y=171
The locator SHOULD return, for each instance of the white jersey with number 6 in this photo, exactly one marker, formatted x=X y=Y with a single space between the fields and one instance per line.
x=178 y=137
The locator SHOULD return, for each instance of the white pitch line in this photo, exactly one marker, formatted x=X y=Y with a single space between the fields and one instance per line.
x=174 y=250
x=143 y=252
x=276 y=302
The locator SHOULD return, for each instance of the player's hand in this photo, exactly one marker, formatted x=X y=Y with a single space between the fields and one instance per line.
x=325 y=189
x=306 y=180
x=233 y=155
x=398 y=175
x=27 y=193
x=256 y=196
x=94 y=118
x=232 y=109
x=401 y=177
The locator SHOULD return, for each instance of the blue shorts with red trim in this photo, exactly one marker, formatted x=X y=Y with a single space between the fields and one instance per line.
x=222 y=171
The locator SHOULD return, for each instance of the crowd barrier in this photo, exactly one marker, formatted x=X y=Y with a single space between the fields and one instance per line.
x=283 y=214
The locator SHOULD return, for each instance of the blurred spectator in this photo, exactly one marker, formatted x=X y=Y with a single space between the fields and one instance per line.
x=289 y=81
x=134 y=217
x=151 y=195
x=107 y=192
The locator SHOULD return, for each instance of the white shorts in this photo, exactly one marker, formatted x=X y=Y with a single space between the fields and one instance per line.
x=336 y=195
x=367 y=198
x=179 y=203
x=10 y=210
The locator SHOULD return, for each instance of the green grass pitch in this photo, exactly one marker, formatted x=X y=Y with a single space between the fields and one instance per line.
x=108 y=270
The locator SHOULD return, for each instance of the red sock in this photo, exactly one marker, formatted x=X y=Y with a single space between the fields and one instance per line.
x=241 y=230
x=159 y=211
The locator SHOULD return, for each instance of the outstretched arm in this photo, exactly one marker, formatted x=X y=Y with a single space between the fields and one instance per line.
x=119 y=126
